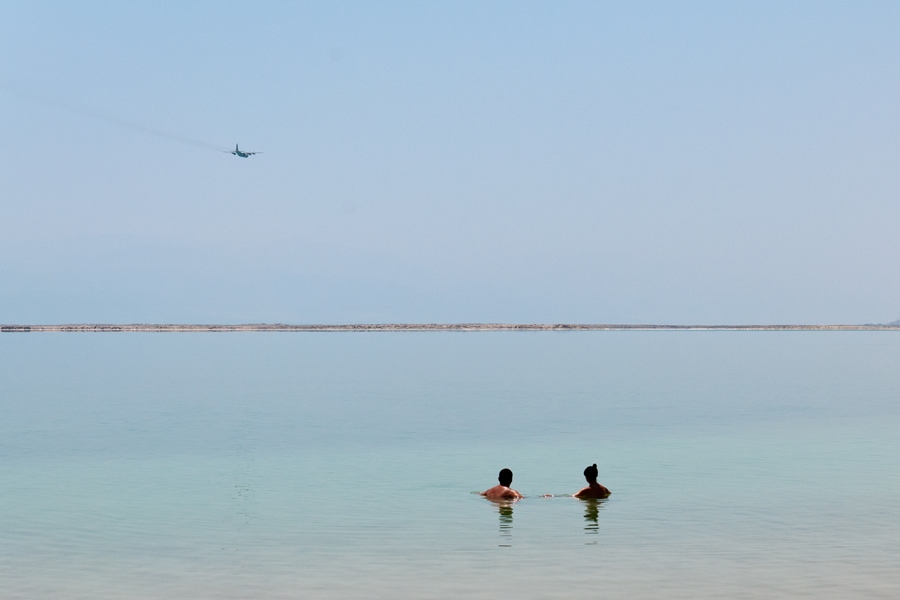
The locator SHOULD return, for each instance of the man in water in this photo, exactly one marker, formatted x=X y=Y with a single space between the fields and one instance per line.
x=594 y=489
x=502 y=491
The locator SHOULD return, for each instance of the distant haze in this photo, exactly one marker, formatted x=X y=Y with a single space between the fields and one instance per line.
x=659 y=162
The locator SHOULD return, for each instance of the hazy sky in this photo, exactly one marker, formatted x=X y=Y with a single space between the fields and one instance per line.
x=627 y=162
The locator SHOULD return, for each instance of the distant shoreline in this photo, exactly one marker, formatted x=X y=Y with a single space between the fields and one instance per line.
x=281 y=327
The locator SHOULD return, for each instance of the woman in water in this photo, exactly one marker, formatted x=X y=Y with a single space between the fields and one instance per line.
x=594 y=489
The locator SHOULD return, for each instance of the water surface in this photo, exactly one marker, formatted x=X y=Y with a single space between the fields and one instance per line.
x=332 y=465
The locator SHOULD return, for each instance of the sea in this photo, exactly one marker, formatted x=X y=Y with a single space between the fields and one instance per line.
x=742 y=464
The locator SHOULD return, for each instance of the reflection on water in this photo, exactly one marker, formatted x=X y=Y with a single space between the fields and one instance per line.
x=505 y=510
x=592 y=508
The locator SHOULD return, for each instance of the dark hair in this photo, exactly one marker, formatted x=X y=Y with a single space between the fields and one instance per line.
x=505 y=477
x=591 y=472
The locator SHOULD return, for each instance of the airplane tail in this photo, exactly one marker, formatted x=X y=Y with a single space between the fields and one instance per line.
x=236 y=148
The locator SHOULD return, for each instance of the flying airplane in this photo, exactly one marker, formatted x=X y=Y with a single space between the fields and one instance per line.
x=238 y=152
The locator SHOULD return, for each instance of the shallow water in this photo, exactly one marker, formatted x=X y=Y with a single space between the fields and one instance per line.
x=742 y=465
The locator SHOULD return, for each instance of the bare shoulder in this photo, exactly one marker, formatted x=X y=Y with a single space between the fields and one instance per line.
x=599 y=492
x=494 y=492
x=583 y=493
x=501 y=492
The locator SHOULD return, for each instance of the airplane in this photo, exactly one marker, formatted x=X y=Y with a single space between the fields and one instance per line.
x=238 y=152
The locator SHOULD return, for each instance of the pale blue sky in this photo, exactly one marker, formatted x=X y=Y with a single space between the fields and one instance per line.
x=694 y=162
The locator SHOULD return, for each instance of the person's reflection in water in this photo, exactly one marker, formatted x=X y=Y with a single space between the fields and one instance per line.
x=591 y=516
x=505 y=508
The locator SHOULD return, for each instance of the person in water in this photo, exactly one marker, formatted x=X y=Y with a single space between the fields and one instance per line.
x=503 y=491
x=594 y=489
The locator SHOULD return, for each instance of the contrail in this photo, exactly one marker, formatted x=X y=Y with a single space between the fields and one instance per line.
x=94 y=114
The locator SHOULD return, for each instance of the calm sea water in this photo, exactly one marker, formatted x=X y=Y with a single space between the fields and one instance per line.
x=742 y=465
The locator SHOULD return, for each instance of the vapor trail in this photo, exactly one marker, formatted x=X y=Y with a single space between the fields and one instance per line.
x=113 y=120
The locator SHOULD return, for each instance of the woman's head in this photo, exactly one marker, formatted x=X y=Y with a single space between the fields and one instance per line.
x=591 y=473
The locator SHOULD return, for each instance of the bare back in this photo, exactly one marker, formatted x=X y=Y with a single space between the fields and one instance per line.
x=594 y=490
x=501 y=492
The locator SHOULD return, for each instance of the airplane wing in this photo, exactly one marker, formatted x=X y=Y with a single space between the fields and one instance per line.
x=240 y=153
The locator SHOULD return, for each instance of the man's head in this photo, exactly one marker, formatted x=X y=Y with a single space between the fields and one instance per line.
x=505 y=477
x=591 y=473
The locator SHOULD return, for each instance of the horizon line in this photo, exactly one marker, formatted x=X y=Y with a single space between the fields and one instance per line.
x=364 y=327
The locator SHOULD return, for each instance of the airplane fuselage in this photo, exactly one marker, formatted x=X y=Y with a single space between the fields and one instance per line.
x=237 y=152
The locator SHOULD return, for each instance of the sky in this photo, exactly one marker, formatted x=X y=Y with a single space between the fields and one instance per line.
x=590 y=162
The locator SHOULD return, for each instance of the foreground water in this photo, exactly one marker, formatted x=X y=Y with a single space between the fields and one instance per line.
x=742 y=464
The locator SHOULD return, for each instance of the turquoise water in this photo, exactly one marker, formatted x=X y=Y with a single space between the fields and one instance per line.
x=742 y=465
